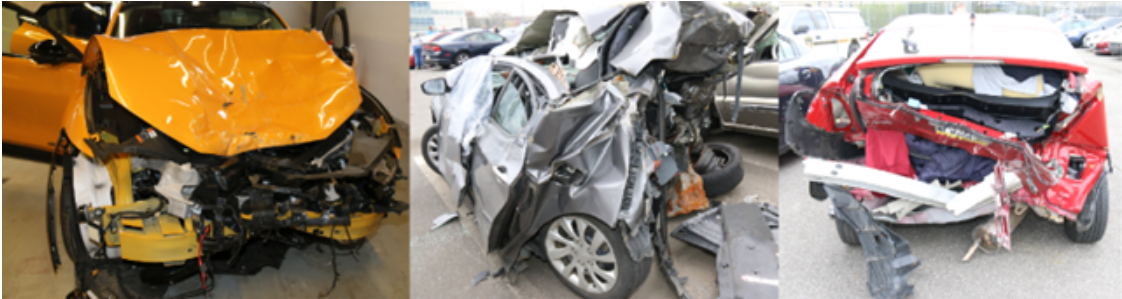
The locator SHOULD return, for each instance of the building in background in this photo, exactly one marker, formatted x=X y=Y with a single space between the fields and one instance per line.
x=438 y=15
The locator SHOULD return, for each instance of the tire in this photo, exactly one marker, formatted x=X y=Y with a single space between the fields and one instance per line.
x=460 y=58
x=853 y=48
x=1097 y=205
x=727 y=172
x=846 y=233
x=429 y=148
x=1084 y=42
x=628 y=272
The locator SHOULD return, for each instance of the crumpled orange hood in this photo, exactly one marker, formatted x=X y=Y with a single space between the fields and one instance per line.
x=225 y=92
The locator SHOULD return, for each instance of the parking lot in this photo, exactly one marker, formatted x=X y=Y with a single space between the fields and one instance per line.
x=445 y=260
x=1043 y=263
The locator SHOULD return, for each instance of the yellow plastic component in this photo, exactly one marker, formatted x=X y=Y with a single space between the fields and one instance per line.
x=120 y=172
x=362 y=225
x=162 y=239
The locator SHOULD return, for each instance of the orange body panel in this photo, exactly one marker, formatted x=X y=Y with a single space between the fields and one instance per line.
x=225 y=92
x=35 y=97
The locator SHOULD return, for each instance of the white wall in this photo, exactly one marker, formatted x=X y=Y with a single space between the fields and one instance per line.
x=298 y=14
x=379 y=30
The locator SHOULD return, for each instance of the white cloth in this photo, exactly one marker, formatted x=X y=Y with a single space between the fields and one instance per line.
x=989 y=80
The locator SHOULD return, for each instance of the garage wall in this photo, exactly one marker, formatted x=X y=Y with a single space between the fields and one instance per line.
x=298 y=14
x=380 y=30
x=31 y=5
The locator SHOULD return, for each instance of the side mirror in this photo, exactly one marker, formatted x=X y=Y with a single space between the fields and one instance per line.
x=435 y=87
x=47 y=52
x=801 y=29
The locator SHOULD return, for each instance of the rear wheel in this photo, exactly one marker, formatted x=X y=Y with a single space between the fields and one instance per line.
x=846 y=232
x=431 y=150
x=592 y=259
x=460 y=58
x=1092 y=220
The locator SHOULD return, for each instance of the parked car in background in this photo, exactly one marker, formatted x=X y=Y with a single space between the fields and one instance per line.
x=1096 y=37
x=1114 y=43
x=1069 y=24
x=511 y=33
x=1102 y=46
x=453 y=49
x=1080 y=37
x=424 y=39
x=778 y=69
x=837 y=30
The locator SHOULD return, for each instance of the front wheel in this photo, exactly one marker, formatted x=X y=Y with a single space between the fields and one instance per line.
x=431 y=150
x=591 y=259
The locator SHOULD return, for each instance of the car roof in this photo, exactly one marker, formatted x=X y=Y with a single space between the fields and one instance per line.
x=1010 y=39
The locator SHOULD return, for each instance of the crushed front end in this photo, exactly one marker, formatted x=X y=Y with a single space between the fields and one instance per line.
x=141 y=209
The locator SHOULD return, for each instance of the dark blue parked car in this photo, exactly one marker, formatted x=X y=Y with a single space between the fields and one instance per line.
x=453 y=49
x=1078 y=37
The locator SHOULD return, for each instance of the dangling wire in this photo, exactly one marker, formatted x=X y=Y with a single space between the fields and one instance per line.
x=202 y=268
x=334 y=265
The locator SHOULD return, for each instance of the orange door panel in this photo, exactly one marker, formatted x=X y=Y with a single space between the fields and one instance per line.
x=35 y=97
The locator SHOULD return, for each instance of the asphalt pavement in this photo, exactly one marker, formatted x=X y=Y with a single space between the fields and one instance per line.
x=444 y=261
x=814 y=263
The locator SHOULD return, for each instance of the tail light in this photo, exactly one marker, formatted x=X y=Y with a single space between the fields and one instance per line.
x=433 y=48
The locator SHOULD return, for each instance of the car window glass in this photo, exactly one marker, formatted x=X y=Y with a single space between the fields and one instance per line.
x=820 y=20
x=786 y=51
x=802 y=18
x=491 y=37
x=510 y=110
x=81 y=20
x=146 y=18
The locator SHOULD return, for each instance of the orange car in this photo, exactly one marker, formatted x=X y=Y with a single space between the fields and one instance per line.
x=192 y=130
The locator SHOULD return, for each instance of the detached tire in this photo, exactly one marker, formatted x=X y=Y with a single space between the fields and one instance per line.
x=430 y=148
x=725 y=172
x=1095 y=209
x=846 y=233
x=585 y=254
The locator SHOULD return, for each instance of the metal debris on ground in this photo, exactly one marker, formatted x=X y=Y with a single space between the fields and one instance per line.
x=747 y=263
x=481 y=276
x=443 y=219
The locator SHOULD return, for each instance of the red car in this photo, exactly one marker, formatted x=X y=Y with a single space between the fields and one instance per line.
x=936 y=121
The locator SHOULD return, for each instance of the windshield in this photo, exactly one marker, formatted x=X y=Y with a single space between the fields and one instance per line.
x=147 y=17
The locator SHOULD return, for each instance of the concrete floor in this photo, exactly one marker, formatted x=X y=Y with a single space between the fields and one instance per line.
x=1043 y=263
x=380 y=272
x=445 y=260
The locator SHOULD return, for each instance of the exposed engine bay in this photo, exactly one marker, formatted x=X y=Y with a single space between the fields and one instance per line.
x=143 y=197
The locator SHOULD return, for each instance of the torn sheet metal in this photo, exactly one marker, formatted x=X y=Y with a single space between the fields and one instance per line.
x=460 y=114
x=703 y=230
x=706 y=230
x=854 y=175
x=539 y=32
x=444 y=219
x=747 y=262
x=887 y=255
x=708 y=34
x=655 y=39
